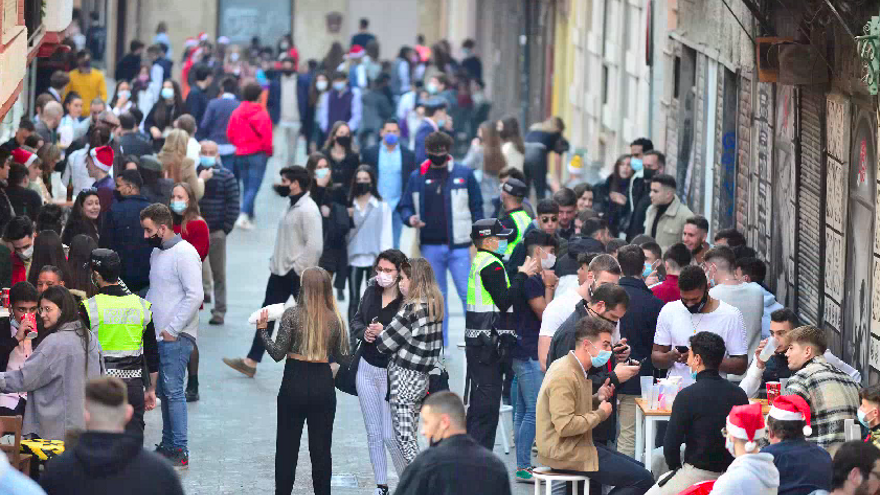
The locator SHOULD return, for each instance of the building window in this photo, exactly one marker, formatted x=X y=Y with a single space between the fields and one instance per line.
x=676 y=75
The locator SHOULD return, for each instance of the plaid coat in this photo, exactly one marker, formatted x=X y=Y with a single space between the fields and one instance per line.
x=413 y=340
x=832 y=395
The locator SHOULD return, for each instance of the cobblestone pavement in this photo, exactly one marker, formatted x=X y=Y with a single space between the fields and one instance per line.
x=232 y=427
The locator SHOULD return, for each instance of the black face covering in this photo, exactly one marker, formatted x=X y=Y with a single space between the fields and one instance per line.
x=438 y=160
x=154 y=241
x=649 y=173
x=343 y=141
x=362 y=188
x=282 y=190
x=696 y=308
x=288 y=72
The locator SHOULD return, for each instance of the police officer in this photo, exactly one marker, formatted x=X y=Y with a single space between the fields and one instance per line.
x=489 y=326
x=513 y=191
x=124 y=326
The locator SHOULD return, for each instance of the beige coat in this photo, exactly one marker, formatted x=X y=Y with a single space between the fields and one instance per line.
x=671 y=224
x=565 y=418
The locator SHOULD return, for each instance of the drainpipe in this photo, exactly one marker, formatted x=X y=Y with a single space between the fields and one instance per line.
x=525 y=42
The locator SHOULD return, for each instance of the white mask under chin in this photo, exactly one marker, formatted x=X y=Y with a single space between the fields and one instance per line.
x=548 y=262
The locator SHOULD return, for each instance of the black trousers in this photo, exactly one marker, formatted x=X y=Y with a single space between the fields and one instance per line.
x=278 y=290
x=625 y=474
x=356 y=274
x=485 y=397
x=536 y=175
x=136 y=398
x=18 y=411
x=307 y=395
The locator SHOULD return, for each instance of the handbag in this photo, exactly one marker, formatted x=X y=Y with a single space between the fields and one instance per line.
x=438 y=382
x=346 y=377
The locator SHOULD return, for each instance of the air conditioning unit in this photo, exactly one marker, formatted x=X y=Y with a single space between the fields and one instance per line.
x=768 y=58
x=784 y=61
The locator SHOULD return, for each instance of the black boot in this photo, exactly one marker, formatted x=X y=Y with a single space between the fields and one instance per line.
x=192 y=389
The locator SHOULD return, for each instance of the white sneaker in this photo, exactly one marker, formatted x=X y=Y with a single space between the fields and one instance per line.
x=244 y=222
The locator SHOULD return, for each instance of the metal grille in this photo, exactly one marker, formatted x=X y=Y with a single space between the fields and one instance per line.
x=811 y=212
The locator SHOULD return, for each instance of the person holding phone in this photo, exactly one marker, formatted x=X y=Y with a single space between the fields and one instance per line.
x=381 y=301
x=15 y=344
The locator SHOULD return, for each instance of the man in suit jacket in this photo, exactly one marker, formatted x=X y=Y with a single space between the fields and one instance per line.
x=394 y=163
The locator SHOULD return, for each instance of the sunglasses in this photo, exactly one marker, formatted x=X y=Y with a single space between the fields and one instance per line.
x=549 y=219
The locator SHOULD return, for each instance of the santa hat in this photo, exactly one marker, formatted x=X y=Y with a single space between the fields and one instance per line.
x=190 y=42
x=746 y=423
x=102 y=157
x=223 y=40
x=203 y=36
x=792 y=408
x=357 y=51
x=23 y=156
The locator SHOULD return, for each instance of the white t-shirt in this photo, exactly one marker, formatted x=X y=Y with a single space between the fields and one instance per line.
x=676 y=325
x=559 y=309
x=76 y=174
x=749 y=300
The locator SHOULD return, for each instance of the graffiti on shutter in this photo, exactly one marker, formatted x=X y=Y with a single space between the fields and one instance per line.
x=836 y=193
x=811 y=217
x=760 y=180
x=781 y=262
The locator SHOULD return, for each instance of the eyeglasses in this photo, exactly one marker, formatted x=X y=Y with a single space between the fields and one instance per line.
x=549 y=219
x=45 y=310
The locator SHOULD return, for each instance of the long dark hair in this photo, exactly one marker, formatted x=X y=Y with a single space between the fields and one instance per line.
x=77 y=222
x=132 y=98
x=616 y=179
x=510 y=133
x=48 y=251
x=312 y=165
x=73 y=95
x=164 y=114
x=80 y=253
x=331 y=138
x=61 y=297
x=314 y=93
x=373 y=186
x=335 y=56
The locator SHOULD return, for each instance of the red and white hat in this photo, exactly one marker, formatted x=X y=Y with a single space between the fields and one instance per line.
x=357 y=51
x=792 y=408
x=102 y=157
x=190 y=42
x=746 y=423
x=23 y=156
x=203 y=36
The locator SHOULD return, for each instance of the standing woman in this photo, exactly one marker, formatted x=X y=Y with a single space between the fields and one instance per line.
x=485 y=155
x=344 y=160
x=66 y=355
x=141 y=91
x=335 y=221
x=123 y=98
x=370 y=233
x=381 y=301
x=512 y=146
x=311 y=130
x=310 y=334
x=83 y=218
x=414 y=339
x=48 y=250
x=612 y=198
x=80 y=281
x=178 y=167
x=188 y=222
x=160 y=121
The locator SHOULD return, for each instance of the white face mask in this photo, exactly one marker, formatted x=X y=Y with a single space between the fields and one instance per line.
x=384 y=280
x=403 y=290
x=729 y=445
x=27 y=253
x=321 y=85
x=548 y=262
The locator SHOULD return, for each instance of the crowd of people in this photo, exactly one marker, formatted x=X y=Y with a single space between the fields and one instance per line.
x=571 y=292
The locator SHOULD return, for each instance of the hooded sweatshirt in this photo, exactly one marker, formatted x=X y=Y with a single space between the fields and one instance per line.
x=109 y=463
x=250 y=129
x=752 y=474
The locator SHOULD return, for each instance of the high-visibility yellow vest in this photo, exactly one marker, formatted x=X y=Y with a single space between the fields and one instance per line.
x=522 y=220
x=482 y=315
x=119 y=323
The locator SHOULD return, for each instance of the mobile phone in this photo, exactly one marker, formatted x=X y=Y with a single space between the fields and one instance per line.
x=682 y=349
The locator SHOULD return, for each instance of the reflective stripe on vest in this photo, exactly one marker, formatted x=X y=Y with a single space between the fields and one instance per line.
x=522 y=220
x=119 y=322
x=481 y=312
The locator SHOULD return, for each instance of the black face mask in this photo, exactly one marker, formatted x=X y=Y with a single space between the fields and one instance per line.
x=696 y=308
x=362 y=188
x=288 y=72
x=438 y=160
x=649 y=173
x=597 y=315
x=343 y=141
x=154 y=241
x=281 y=190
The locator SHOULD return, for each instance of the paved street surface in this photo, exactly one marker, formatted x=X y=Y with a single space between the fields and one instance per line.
x=232 y=427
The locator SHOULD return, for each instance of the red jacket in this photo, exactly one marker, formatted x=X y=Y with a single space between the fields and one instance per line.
x=19 y=270
x=667 y=291
x=250 y=129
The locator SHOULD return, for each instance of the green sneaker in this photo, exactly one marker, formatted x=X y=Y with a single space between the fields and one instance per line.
x=524 y=476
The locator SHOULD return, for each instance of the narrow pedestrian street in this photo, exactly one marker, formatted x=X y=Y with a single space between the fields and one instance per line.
x=232 y=427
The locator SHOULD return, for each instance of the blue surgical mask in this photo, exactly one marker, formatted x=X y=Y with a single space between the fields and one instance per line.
x=339 y=85
x=178 y=206
x=863 y=419
x=321 y=173
x=601 y=359
x=208 y=161
x=441 y=122
x=502 y=246
x=167 y=93
x=391 y=139
x=693 y=375
x=124 y=94
x=647 y=271
x=432 y=88
x=636 y=164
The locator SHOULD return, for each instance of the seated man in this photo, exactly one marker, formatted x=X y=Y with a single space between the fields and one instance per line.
x=855 y=471
x=832 y=395
x=698 y=415
x=456 y=463
x=782 y=322
x=14 y=347
x=568 y=411
x=803 y=466
x=869 y=413
x=752 y=472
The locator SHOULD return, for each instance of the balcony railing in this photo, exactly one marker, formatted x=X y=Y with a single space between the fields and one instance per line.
x=34 y=10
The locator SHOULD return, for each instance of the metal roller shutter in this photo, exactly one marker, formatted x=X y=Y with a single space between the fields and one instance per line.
x=811 y=208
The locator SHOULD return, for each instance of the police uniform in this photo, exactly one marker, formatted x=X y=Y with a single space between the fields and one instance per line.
x=517 y=219
x=489 y=332
x=123 y=323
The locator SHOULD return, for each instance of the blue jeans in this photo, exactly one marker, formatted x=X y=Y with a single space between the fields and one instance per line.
x=525 y=395
x=457 y=261
x=396 y=226
x=173 y=359
x=250 y=169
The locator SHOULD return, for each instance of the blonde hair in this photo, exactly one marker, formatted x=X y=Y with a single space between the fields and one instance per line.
x=174 y=152
x=192 y=211
x=423 y=287
x=317 y=313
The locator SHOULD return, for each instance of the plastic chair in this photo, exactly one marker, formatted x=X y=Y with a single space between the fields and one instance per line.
x=548 y=477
